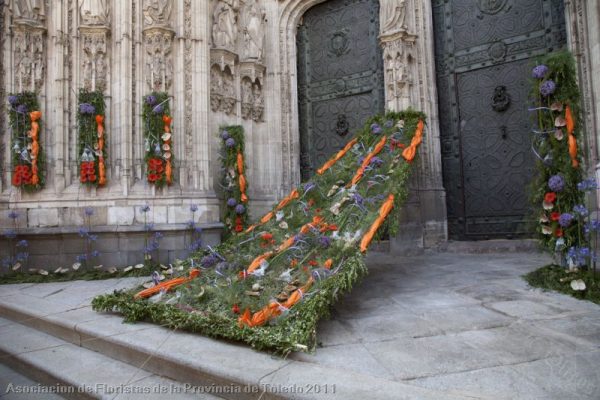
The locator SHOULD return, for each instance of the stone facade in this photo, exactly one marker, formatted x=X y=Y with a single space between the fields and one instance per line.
x=223 y=62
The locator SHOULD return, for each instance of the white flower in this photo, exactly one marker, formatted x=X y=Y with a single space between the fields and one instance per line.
x=546 y=230
x=578 y=285
x=335 y=209
x=547 y=205
x=332 y=191
x=286 y=275
x=279 y=215
x=283 y=225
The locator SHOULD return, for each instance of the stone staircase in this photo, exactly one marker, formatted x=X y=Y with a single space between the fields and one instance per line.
x=50 y=334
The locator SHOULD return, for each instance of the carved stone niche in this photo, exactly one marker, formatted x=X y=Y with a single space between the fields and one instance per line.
x=29 y=12
x=399 y=63
x=94 y=62
x=222 y=81
x=158 y=44
x=29 y=58
x=252 y=76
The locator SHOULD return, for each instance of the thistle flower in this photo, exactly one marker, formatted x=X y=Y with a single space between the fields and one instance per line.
x=230 y=142
x=151 y=100
x=539 y=71
x=376 y=129
x=581 y=210
x=12 y=100
x=547 y=88
x=556 y=183
x=565 y=219
x=158 y=109
x=240 y=209
x=231 y=202
x=225 y=135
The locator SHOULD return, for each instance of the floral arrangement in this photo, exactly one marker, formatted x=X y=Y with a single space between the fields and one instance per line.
x=92 y=138
x=270 y=284
x=233 y=182
x=27 y=153
x=558 y=191
x=158 y=140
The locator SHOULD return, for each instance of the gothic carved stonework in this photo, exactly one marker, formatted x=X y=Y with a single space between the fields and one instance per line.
x=393 y=16
x=94 y=12
x=247 y=98
x=158 y=65
x=253 y=31
x=252 y=76
x=29 y=12
x=94 y=61
x=224 y=24
x=258 y=107
x=399 y=59
x=222 y=77
x=29 y=59
x=157 y=13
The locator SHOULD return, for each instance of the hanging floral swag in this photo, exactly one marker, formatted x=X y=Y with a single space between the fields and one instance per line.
x=92 y=138
x=27 y=153
x=158 y=140
x=234 y=183
x=558 y=194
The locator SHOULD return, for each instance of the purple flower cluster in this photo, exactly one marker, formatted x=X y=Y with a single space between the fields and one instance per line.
x=547 y=88
x=565 y=219
x=309 y=186
x=209 y=260
x=89 y=211
x=376 y=129
x=376 y=162
x=86 y=108
x=225 y=135
x=324 y=242
x=13 y=215
x=581 y=210
x=231 y=202
x=240 y=209
x=22 y=109
x=158 y=109
x=13 y=100
x=587 y=185
x=145 y=208
x=230 y=142
x=151 y=100
x=556 y=183
x=580 y=255
x=540 y=71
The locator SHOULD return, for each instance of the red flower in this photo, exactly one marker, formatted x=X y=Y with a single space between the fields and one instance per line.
x=550 y=197
x=238 y=220
x=21 y=175
x=555 y=216
x=313 y=263
x=558 y=232
x=152 y=177
x=239 y=228
x=266 y=236
x=235 y=309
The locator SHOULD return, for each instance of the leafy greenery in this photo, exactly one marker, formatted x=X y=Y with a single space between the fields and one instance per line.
x=155 y=108
x=91 y=104
x=552 y=144
x=557 y=278
x=232 y=144
x=21 y=104
x=322 y=222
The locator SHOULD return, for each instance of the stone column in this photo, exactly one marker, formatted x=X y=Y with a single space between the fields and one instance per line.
x=407 y=40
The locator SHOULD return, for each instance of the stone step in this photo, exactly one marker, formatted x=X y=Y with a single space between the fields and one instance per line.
x=60 y=369
x=233 y=371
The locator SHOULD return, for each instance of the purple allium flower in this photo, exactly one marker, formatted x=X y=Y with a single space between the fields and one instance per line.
x=87 y=108
x=240 y=209
x=556 y=183
x=148 y=227
x=12 y=100
x=376 y=162
x=565 y=219
x=13 y=215
x=230 y=142
x=587 y=184
x=158 y=109
x=581 y=210
x=145 y=208
x=83 y=232
x=539 y=72
x=209 y=260
x=358 y=199
x=308 y=186
x=225 y=135
x=158 y=235
x=324 y=241
x=376 y=129
x=22 y=243
x=151 y=100
x=584 y=252
x=299 y=237
x=389 y=123
x=22 y=109
x=231 y=202
x=89 y=211
x=95 y=253
x=547 y=88
x=193 y=208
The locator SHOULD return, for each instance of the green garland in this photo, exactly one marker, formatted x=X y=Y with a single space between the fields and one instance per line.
x=91 y=149
x=20 y=107
x=323 y=223
x=158 y=143
x=234 y=203
x=555 y=191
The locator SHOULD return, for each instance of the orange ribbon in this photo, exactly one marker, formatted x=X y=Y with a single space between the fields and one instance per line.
x=35 y=146
x=384 y=211
x=168 y=168
x=268 y=216
x=361 y=170
x=101 y=166
x=411 y=151
x=337 y=157
x=241 y=178
x=273 y=309
x=572 y=140
x=258 y=261
x=168 y=285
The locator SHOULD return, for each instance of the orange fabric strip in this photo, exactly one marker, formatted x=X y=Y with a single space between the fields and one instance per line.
x=337 y=157
x=361 y=170
x=384 y=211
x=411 y=151
x=168 y=285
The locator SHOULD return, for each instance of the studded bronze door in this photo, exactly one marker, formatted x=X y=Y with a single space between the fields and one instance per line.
x=340 y=76
x=484 y=51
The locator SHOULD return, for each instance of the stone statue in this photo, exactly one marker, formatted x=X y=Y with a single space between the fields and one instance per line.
x=253 y=31
x=94 y=12
x=393 y=15
x=224 y=27
x=157 y=12
x=32 y=10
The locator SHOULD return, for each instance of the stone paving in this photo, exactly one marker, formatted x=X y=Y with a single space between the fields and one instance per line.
x=438 y=326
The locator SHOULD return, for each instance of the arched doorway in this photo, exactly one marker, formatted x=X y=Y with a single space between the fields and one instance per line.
x=340 y=76
x=484 y=53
